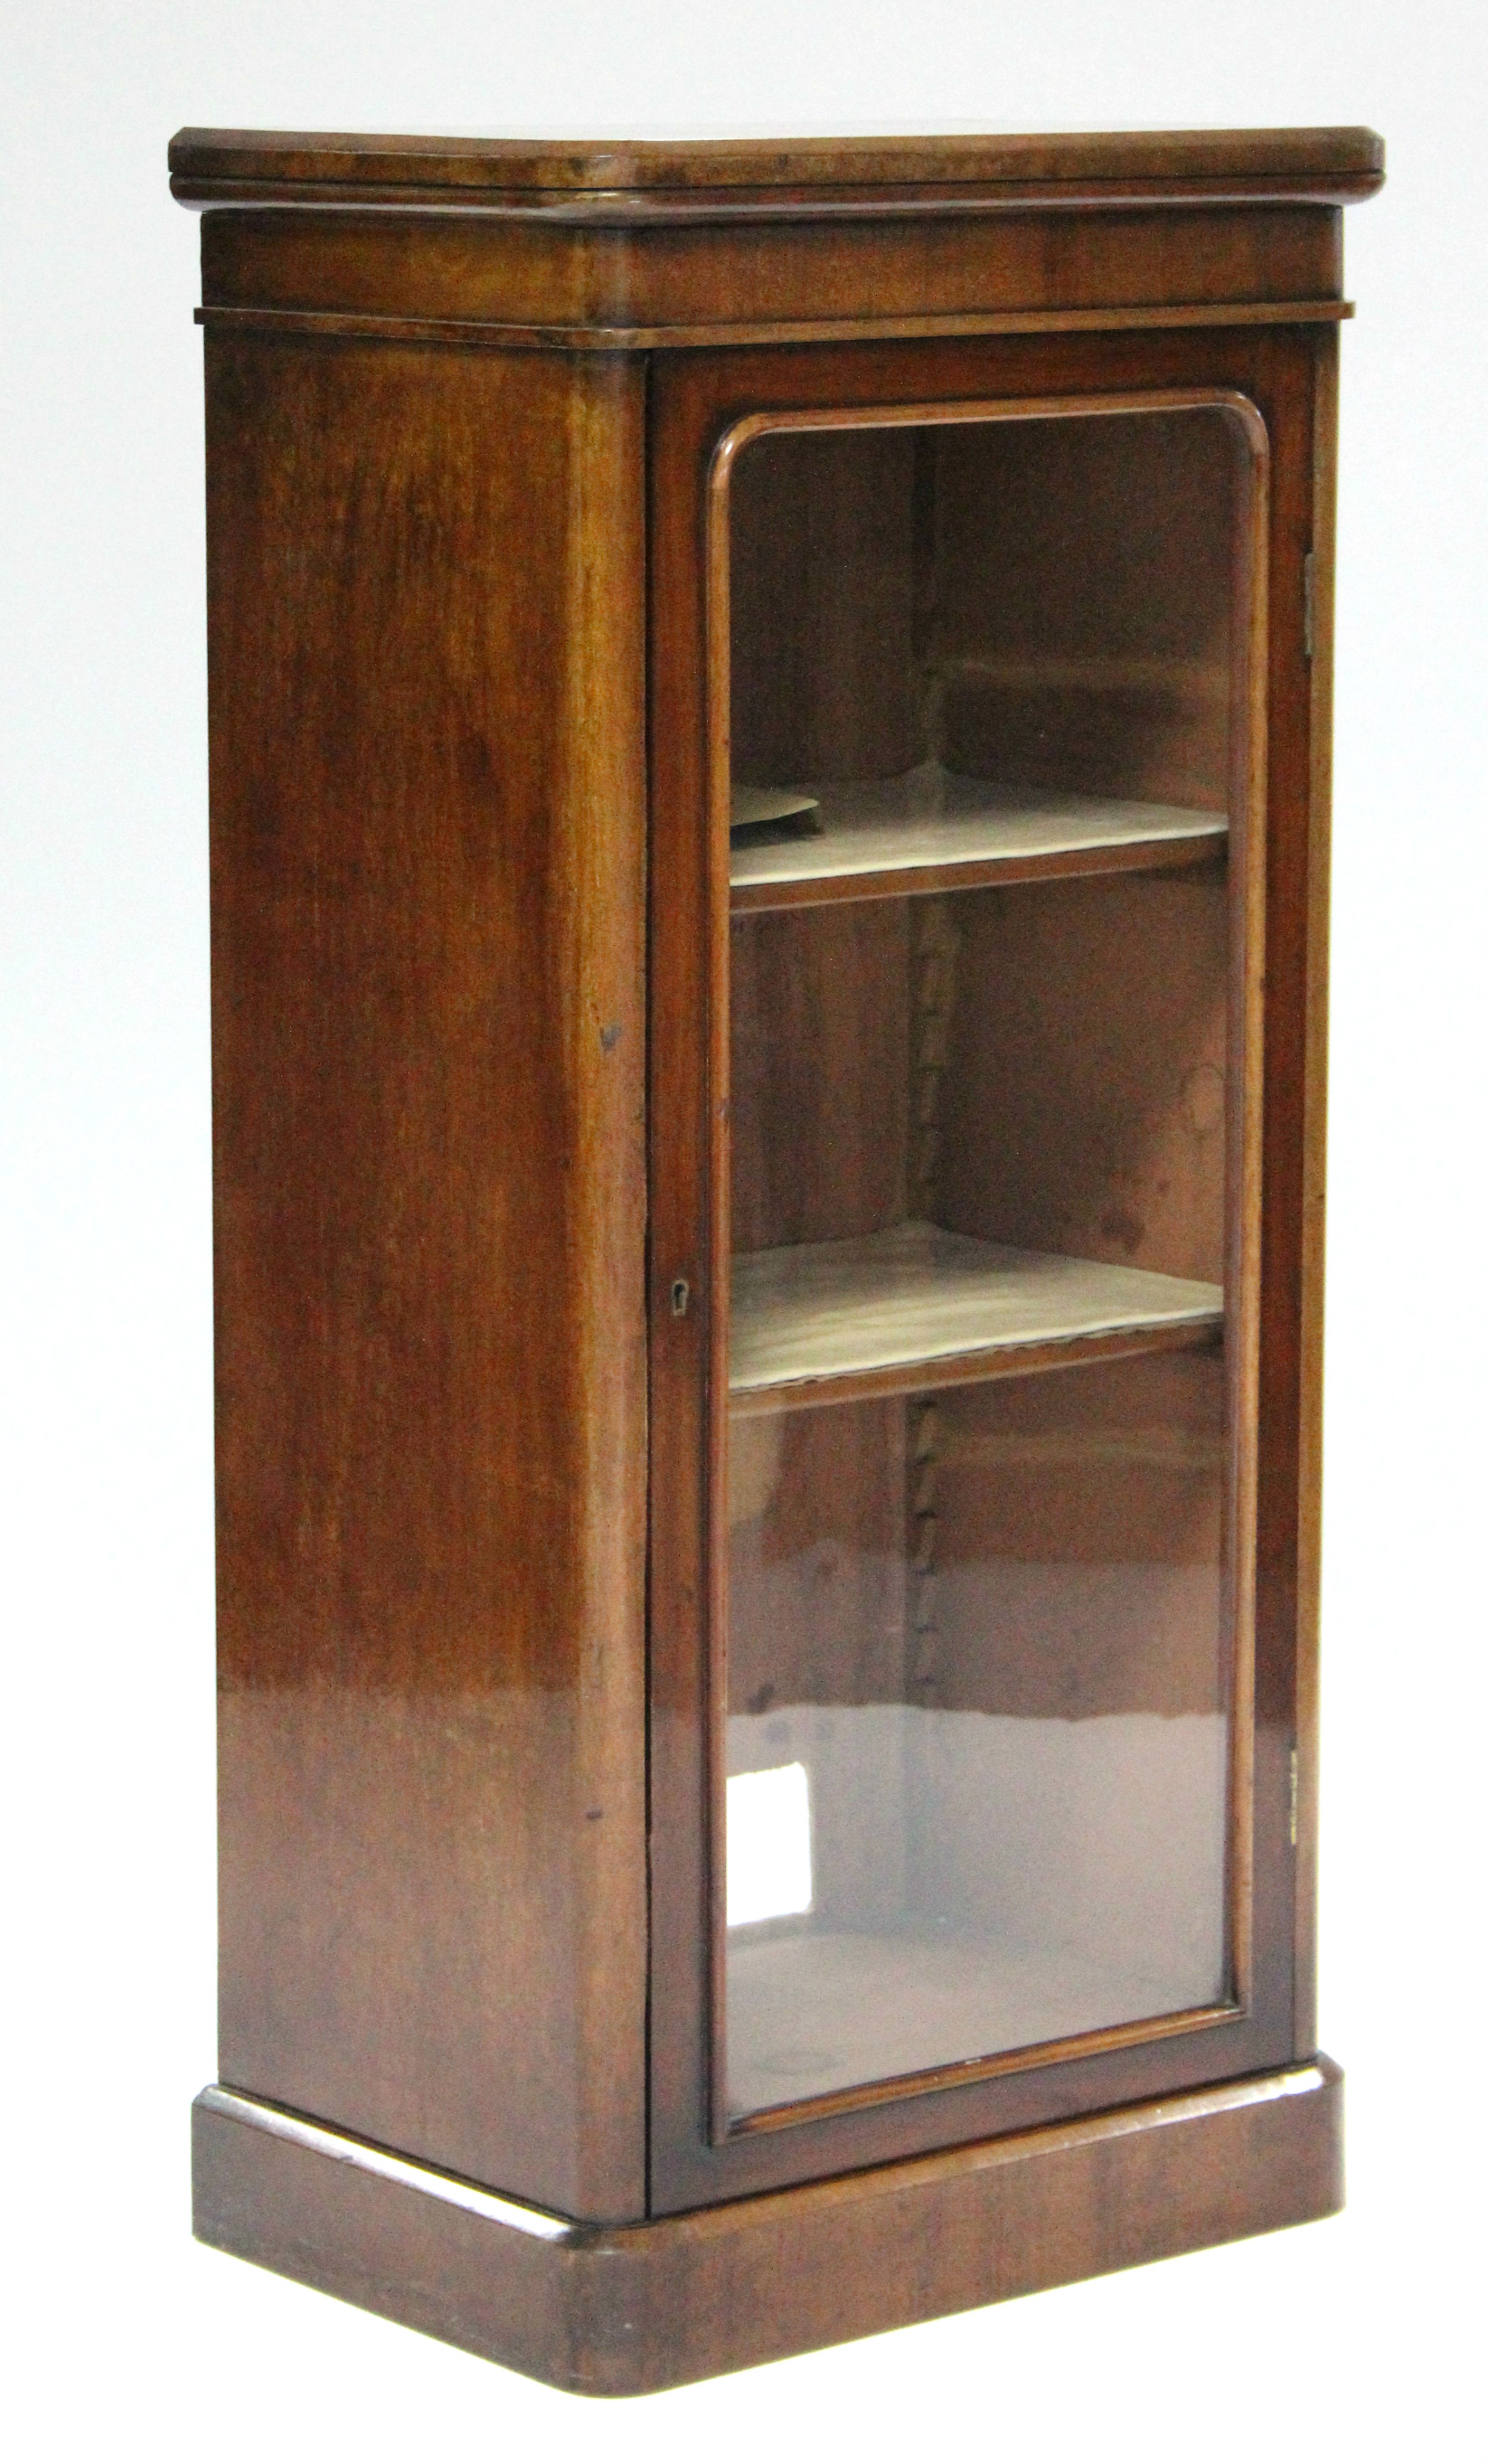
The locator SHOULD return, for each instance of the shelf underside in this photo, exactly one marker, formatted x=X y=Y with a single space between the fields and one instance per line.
x=930 y=829
x=918 y=1306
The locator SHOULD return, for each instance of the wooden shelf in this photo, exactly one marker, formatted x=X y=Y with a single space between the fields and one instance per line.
x=837 y=1320
x=930 y=829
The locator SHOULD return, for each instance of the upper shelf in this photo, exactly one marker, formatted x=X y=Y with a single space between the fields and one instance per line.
x=833 y=1321
x=930 y=829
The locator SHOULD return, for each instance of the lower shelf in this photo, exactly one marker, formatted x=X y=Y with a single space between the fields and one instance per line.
x=918 y=1305
x=818 y=2010
x=624 y=2309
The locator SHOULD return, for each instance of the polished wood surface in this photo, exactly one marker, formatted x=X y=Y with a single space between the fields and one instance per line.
x=427 y=673
x=628 y=177
x=620 y=2311
x=461 y=454
x=546 y=285
x=490 y=333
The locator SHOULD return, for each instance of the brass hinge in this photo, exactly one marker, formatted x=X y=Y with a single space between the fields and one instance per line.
x=1309 y=602
x=1292 y=1817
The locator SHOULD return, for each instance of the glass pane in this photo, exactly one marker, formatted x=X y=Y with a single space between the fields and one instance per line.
x=979 y=1630
x=977 y=1734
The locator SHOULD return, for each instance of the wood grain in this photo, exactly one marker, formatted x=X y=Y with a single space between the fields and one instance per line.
x=816 y=1558
x=426 y=597
x=818 y=1096
x=620 y=2311
x=1102 y=659
x=435 y=453
x=1086 y=1101
x=820 y=548
x=565 y=285
x=627 y=176
x=490 y=333
x=1077 y=1546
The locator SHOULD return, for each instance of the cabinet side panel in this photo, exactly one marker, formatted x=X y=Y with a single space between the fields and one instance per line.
x=427 y=666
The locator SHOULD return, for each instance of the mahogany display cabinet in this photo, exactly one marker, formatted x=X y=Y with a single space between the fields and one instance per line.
x=770 y=713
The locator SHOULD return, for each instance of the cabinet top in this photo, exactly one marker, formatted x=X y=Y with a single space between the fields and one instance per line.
x=625 y=181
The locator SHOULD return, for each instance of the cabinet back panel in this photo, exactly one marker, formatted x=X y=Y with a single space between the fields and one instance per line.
x=820 y=1085
x=1081 y=1107
x=1082 y=613
x=1079 y=1541
x=1086 y=1101
x=817 y=1578
x=822 y=579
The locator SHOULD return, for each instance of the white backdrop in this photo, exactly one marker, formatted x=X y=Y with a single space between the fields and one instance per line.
x=1350 y=2338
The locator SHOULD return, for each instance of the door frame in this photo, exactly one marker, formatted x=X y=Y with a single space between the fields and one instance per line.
x=704 y=409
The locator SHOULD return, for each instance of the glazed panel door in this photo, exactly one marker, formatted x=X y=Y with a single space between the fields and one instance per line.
x=962 y=666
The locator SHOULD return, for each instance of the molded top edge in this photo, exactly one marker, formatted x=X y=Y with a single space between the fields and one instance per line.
x=222 y=165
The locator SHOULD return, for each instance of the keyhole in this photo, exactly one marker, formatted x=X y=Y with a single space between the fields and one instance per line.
x=680 y=1296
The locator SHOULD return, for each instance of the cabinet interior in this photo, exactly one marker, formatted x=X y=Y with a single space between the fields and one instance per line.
x=978 y=1216
x=1046 y=602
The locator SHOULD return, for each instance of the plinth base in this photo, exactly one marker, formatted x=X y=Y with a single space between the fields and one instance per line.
x=619 y=2310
